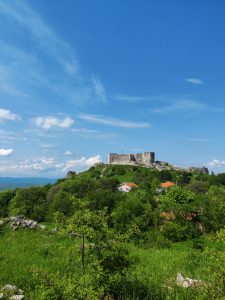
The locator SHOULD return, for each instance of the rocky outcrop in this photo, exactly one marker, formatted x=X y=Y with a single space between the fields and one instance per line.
x=9 y=291
x=187 y=282
x=21 y=222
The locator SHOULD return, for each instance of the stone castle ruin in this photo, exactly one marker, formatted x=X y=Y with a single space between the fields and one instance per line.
x=146 y=159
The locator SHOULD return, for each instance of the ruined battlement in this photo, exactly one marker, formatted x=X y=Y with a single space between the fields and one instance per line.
x=146 y=158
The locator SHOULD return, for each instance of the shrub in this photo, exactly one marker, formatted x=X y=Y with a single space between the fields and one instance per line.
x=174 y=232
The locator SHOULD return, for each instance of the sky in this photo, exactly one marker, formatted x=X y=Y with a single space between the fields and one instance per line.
x=82 y=78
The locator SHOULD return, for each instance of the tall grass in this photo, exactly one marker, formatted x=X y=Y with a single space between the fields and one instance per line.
x=24 y=254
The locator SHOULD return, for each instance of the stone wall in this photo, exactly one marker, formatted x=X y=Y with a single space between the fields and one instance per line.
x=145 y=158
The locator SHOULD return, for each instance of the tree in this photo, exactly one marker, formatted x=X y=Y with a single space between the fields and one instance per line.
x=134 y=214
x=5 y=197
x=30 y=202
x=214 y=208
x=79 y=186
x=198 y=187
x=63 y=203
x=175 y=195
x=102 y=198
x=103 y=259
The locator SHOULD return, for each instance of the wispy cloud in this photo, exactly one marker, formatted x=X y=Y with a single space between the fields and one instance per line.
x=181 y=106
x=127 y=98
x=113 y=122
x=7 y=115
x=99 y=88
x=84 y=130
x=94 y=134
x=51 y=122
x=41 y=62
x=195 y=81
x=6 y=152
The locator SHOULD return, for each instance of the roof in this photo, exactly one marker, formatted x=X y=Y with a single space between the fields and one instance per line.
x=167 y=184
x=130 y=184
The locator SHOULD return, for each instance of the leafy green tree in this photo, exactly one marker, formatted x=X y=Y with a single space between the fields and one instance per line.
x=30 y=202
x=102 y=198
x=79 y=186
x=198 y=187
x=63 y=203
x=213 y=217
x=134 y=214
x=175 y=195
x=102 y=258
x=174 y=232
x=5 y=197
x=110 y=184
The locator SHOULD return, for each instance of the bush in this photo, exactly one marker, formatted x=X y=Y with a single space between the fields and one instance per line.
x=155 y=239
x=174 y=232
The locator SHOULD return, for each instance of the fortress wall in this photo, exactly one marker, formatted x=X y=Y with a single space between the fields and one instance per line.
x=125 y=159
x=119 y=158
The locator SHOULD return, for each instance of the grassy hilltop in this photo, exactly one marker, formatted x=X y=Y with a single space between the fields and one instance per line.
x=99 y=243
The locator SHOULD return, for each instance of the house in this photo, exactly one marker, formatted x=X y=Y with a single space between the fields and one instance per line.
x=167 y=184
x=164 y=186
x=127 y=186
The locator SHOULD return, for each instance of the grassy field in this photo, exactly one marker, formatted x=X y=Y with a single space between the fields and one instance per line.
x=26 y=255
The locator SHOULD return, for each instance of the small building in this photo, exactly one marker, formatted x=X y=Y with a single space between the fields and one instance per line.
x=127 y=187
x=167 y=184
x=164 y=186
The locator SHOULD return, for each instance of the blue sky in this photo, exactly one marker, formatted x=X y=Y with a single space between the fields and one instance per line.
x=82 y=78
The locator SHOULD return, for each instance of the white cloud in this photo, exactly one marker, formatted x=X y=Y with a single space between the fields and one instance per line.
x=113 y=122
x=7 y=115
x=6 y=152
x=195 y=81
x=42 y=164
x=50 y=165
x=51 y=122
x=82 y=163
x=68 y=153
x=181 y=106
x=215 y=163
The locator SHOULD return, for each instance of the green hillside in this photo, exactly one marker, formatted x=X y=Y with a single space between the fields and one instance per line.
x=98 y=243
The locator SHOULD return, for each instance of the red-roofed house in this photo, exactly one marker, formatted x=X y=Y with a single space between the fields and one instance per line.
x=167 y=184
x=127 y=186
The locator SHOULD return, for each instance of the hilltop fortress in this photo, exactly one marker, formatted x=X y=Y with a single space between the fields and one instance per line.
x=146 y=159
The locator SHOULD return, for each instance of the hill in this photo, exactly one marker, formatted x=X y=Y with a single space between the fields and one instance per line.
x=95 y=242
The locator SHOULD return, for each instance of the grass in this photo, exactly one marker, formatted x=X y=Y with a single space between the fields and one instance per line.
x=157 y=269
x=23 y=253
x=128 y=177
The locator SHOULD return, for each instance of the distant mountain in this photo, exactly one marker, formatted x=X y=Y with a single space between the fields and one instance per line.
x=12 y=183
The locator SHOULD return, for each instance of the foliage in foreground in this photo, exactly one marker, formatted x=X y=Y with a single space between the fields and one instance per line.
x=112 y=245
